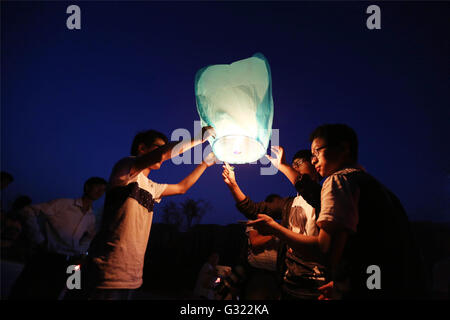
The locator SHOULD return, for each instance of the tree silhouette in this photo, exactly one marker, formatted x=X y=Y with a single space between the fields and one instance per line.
x=185 y=215
x=172 y=215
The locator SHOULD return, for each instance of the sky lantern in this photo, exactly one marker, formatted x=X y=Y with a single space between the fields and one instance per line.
x=236 y=99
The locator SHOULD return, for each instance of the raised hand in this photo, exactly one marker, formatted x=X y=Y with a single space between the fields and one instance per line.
x=210 y=159
x=207 y=132
x=265 y=225
x=280 y=157
x=228 y=175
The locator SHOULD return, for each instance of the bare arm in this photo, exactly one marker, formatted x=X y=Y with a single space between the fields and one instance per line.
x=168 y=151
x=280 y=163
x=230 y=180
x=328 y=245
x=307 y=246
x=257 y=240
x=332 y=242
x=289 y=172
x=184 y=185
x=160 y=154
x=244 y=204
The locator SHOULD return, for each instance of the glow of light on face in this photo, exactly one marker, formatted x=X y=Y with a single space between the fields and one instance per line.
x=77 y=267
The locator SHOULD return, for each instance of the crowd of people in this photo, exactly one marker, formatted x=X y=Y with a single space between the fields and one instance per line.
x=320 y=244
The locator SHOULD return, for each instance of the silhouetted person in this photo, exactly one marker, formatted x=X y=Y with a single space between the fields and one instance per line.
x=262 y=280
x=15 y=245
x=5 y=179
x=204 y=287
x=363 y=224
x=120 y=246
x=301 y=274
x=62 y=230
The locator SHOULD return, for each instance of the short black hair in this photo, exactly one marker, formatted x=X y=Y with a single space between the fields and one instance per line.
x=94 y=180
x=336 y=134
x=147 y=138
x=7 y=176
x=272 y=197
x=21 y=202
x=303 y=154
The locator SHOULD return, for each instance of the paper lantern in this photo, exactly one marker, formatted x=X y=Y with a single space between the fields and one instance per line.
x=236 y=100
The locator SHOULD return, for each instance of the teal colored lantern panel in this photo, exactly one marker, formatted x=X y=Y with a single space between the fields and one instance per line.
x=236 y=100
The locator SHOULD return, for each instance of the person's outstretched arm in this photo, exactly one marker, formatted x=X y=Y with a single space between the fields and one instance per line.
x=337 y=219
x=244 y=204
x=169 y=150
x=258 y=241
x=229 y=178
x=184 y=185
x=280 y=163
x=312 y=247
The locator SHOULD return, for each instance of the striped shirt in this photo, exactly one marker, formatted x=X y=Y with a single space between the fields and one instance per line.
x=119 y=249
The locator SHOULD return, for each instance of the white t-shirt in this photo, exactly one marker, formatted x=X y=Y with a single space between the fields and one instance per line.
x=119 y=251
x=302 y=218
x=339 y=201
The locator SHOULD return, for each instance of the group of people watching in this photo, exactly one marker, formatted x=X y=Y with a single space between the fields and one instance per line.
x=63 y=231
x=48 y=237
x=333 y=236
x=324 y=239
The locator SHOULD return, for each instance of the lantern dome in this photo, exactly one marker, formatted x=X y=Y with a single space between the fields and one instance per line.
x=236 y=100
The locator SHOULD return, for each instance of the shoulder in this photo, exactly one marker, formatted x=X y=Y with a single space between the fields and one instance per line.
x=120 y=174
x=345 y=173
x=61 y=202
x=343 y=177
x=53 y=205
x=153 y=184
x=301 y=202
x=286 y=203
x=339 y=200
x=126 y=162
x=156 y=189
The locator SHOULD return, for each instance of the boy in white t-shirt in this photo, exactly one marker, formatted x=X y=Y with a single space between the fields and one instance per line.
x=118 y=251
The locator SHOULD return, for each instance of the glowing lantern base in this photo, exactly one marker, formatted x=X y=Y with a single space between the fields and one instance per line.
x=238 y=149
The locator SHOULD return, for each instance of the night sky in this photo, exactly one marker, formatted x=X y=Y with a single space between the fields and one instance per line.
x=72 y=100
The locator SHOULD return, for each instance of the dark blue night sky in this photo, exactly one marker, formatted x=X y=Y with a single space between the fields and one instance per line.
x=72 y=100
